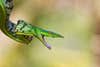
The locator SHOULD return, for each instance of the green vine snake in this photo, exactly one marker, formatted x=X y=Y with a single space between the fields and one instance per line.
x=22 y=31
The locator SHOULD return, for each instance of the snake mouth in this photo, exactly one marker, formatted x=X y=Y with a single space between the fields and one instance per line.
x=43 y=40
x=45 y=43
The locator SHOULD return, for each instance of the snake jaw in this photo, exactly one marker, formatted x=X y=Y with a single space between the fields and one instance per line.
x=45 y=43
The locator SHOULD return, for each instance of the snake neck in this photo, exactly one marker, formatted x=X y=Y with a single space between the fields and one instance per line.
x=9 y=6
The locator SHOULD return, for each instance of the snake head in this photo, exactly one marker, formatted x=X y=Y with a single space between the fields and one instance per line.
x=22 y=28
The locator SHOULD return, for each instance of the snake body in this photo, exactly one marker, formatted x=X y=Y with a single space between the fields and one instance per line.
x=6 y=25
x=22 y=31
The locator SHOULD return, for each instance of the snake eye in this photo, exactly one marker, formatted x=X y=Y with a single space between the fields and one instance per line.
x=18 y=22
x=9 y=0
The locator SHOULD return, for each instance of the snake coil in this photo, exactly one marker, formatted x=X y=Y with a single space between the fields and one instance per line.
x=6 y=25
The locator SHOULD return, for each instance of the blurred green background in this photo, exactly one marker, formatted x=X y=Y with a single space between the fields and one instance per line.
x=69 y=18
